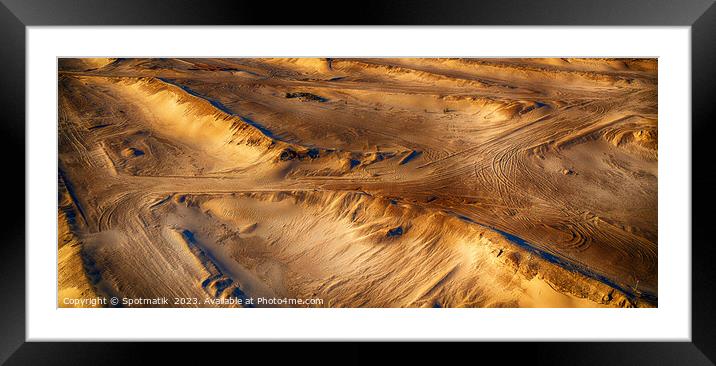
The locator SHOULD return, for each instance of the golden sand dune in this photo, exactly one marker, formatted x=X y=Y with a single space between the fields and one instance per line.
x=359 y=182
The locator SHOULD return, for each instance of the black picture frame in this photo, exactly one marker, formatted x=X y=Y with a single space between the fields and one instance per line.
x=700 y=15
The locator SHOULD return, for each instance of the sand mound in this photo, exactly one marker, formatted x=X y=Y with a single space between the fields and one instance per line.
x=83 y=64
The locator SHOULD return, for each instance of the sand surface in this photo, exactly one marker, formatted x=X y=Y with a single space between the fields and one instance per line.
x=360 y=182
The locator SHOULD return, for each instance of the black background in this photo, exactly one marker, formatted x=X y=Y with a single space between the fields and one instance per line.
x=700 y=14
